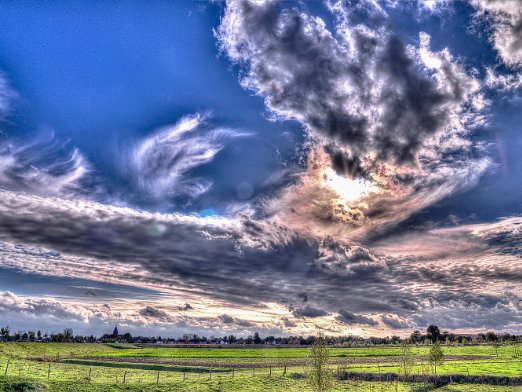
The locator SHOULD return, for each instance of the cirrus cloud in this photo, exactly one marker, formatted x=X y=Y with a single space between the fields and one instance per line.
x=162 y=164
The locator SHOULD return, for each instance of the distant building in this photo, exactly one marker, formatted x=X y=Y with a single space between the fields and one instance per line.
x=115 y=332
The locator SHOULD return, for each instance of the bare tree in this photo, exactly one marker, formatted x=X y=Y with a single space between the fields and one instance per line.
x=407 y=359
x=319 y=376
x=436 y=356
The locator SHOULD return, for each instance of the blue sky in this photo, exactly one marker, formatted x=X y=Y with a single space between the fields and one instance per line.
x=283 y=163
x=100 y=76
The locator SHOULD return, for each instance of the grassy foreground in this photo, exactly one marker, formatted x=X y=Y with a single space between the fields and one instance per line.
x=255 y=384
x=103 y=367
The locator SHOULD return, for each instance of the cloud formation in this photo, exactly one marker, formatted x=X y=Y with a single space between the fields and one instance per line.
x=392 y=120
x=359 y=87
x=505 y=19
x=503 y=82
x=45 y=166
x=263 y=268
x=349 y=318
x=7 y=94
x=308 y=311
x=234 y=321
x=10 y=302
x=162 y=164
x=341 y=259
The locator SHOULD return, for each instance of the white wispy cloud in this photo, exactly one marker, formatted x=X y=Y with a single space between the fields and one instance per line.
x=161 y=164
x=44 y=166
x=503 y=82
x=7 y=95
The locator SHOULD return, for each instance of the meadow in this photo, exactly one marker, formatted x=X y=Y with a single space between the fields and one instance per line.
x=107 y=367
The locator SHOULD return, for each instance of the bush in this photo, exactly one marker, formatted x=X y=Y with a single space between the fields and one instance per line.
x=21 y=386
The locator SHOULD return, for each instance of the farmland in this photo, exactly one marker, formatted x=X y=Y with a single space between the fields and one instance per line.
x=105 y=367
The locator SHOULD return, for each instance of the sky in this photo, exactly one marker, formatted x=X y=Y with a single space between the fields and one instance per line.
x=287 y=168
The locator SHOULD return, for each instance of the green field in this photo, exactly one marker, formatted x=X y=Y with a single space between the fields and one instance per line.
x=103 y=367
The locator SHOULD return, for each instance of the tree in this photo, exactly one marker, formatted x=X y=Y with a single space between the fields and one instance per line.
x=4 y=331
x=416 y=337
x=67 y=335
x=436 y=356
x=407 y=359
x=433 y=333
x=257 y=338
x=491 y=337
x=319 y=377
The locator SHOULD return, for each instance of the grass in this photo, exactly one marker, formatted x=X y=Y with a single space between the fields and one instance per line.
x=58 y=350
x=292 y=353
x=32 y=350
x=91 y=367
x=254 y=384
x=510 y=368
x=478 y=388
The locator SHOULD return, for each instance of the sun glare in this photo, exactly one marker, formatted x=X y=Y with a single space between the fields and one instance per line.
x=347 y=189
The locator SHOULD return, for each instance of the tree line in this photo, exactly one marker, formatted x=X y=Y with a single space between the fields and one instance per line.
x=432 y=335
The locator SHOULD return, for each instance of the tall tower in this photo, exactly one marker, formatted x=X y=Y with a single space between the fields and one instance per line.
x=115 y=332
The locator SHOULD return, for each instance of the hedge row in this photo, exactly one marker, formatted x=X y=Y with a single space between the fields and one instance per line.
x=432 y=379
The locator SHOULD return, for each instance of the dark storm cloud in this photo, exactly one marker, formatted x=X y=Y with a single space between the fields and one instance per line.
x=344 y=259
x=289 y=323
x=249 y=263
x=303 y=297
x=214 y=255
x=349 y=318
x=226 y=319
x=234 y=321
x=413 y=106
x=241 y=261
x=309 y=311
x=186 y=307
x=360 y=12
x=364 y=92
x=395 y=323
x=407 y=305
x=152 y=312
x=344 y=164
